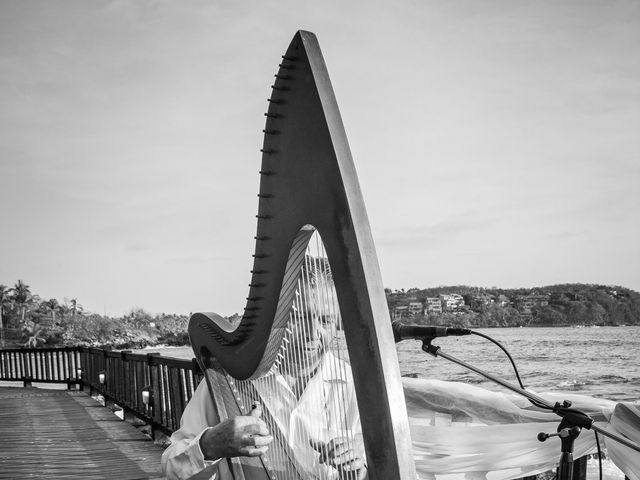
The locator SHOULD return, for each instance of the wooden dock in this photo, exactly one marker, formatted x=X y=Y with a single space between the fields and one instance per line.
x=66 y=434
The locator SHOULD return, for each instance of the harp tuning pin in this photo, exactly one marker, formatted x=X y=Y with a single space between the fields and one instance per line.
x=258 y=272
x=271 y=132
x=260 y=255
x=286 y=67
x=290 y=58
x=268 y=151
x=266 y=172
x=264 y=217
x=273 y=115
x=282 y=77
x=265 y=195
x=262 y=237
x=279 y=88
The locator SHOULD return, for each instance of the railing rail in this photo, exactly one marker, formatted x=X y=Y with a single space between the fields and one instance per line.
x=120 y=377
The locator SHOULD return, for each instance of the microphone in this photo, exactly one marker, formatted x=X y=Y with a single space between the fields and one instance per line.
x=420 y=332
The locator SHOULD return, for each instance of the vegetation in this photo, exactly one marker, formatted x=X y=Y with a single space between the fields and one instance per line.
x=28 y=320
x=556 y=306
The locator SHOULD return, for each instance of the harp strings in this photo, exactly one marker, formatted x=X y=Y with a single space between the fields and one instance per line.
x=313 y=347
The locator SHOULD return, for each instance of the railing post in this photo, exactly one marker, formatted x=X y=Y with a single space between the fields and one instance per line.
x=154 y=388
x=76 y=353
x=26 y=379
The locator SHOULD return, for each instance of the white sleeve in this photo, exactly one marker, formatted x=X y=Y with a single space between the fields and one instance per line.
x=184 y=458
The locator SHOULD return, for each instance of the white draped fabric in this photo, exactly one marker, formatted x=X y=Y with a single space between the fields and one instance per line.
x=461 y=431
x=625 y=421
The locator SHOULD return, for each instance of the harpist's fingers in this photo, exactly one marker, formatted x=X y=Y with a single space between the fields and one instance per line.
x=255 y=445
x=355 y=470
x=256 y=427
x=256 y=410
x=343 y=457
x=320 y=447
x=262 y=440
x=338 y=446
x=255 y=452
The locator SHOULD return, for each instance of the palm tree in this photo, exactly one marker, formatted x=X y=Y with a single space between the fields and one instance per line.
x=51 y=306
x=21 y=296
x=75 y=307
x=35 y=338
x=5 y=306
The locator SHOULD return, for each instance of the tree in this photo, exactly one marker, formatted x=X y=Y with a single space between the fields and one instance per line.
x=74 y=307
x=22 y=297
x=51 y=306
x=5 y=306
x=35 y=338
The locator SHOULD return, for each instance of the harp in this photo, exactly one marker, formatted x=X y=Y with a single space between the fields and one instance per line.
x=311 y=218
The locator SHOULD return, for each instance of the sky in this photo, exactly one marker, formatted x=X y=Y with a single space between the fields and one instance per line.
x=497 y=143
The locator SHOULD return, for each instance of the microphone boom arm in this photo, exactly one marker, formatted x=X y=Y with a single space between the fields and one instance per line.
x=576 y=418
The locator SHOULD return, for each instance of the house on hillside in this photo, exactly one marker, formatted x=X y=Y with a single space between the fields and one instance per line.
x=433 y=305
x=451 y=302
x=526 y=303
x=400 y=311
x=415 y=308
x=479 y=300
x=502 y=300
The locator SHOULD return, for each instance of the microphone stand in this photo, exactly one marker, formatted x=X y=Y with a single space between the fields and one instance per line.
x=572 y=420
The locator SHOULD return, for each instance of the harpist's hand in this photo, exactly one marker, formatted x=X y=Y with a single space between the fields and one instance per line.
x=242 y=436
x=344 y=454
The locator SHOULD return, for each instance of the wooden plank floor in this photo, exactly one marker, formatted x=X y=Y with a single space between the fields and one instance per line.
x=59 y=434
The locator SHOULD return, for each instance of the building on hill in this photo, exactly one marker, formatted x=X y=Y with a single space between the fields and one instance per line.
x=415 y=308
x=526 y=303
x=478 y=300
x=434 y=305
x=400 y=311
x=502 y=300
x=451 y=302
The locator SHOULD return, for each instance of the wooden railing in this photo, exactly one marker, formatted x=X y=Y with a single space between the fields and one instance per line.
x=51 y=365
x=120 y=377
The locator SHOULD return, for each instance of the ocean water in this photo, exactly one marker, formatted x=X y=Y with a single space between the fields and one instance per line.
x=601 y=362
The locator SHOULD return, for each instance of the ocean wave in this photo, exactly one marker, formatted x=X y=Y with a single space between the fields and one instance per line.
x=574 y=384
x=611 y=379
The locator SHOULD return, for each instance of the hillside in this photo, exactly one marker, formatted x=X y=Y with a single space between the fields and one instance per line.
x=554 y=305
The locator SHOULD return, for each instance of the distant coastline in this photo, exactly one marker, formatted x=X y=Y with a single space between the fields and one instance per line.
x=29 y=320
x=566 y=305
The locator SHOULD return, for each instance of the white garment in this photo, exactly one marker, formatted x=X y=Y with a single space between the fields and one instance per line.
x=319 y=414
